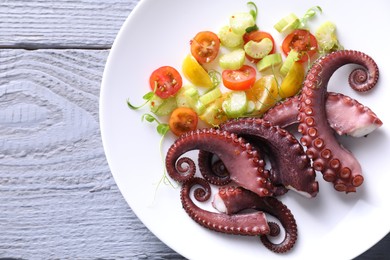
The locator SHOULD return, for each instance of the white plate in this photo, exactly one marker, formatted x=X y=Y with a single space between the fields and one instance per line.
x=331 y=226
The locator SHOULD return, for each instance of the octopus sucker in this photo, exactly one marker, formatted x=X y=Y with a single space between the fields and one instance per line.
x=241 y=161
x=345 y=115
x=247 y=224
x=316 y=83
x=290 y=167
x=232 y=200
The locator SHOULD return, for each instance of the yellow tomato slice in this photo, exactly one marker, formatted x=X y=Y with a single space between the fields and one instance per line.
x=264 y=93
x=292 y=83
x=195 y=73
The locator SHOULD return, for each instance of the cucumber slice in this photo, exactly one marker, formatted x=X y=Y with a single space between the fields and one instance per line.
x=240 y=21
x=210 y=96
x=213 y=114
x=292 y=56
x=162 y=107
x=187 y=96
x=232 y=60
x=269 y=61
x=327 y=38
x=236 y=104
x=287 y=23
x=258 y=50
x=229 y=38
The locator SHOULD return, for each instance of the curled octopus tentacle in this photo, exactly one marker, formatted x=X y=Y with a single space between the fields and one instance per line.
x=232 y=200
x=212 y=169
x=291 y=168
x=248 y=224
x=244 y=163
x=345 y=115
x=337 y=164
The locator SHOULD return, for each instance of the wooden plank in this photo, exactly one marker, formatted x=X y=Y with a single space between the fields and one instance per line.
x=57 y=196
x=61 y=23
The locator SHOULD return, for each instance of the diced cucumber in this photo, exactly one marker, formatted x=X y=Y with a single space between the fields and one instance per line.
x=213 y=114
x=258 y=50
x=288 y=62
x=187 y=96
x=327 y=38
x=232 y=60
x=269 y=61
x=287 y=23
x=162 y=107
x=236 y=104
x=229 y=38
x=210 y=96
x=240 y=21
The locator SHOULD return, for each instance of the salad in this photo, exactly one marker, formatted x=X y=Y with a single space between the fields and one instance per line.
x=236 y=71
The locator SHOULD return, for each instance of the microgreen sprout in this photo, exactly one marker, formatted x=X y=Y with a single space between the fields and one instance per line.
x=147 y=97
x=254 y=13
x=162 y=129
x=215 y=77
x=311 y=12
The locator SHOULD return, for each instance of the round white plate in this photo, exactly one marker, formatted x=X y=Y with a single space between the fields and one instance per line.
x=157 y=32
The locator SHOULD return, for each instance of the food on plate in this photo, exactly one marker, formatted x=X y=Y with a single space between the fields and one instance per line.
x=245 y=92
x=205 y=46
x=165 y=81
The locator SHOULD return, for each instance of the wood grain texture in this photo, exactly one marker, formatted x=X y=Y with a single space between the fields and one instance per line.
x=57 y=196
x=58 y=199
x=61 y=23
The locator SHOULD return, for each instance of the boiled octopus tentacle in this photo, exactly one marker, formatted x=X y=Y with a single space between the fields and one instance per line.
x=248 y=224
x=244 y=163
x=291 y=168
x=337 y=164
x=345 y=115
x=232 y=200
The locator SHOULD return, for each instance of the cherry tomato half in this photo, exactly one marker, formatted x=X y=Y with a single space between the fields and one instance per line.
x=182 y=120
x=240 y=79
x=205 y=46
x=257 y=36
x=303 y=42
x=168 y=81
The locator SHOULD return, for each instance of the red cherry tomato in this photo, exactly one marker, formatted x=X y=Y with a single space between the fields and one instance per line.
x=182 y=120
x=240 y=79
x=205 y=46
x=257 y=36
x=301 y=41
x=166 y=81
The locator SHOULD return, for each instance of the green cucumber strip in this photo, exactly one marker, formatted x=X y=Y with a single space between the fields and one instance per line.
x=199 y=107
x=258 y=50
x=230 y=39
x=240 y=21
x=288 y=62
x=162 y=107
x=187 y=96
x=287 y=23
x=269 y=61
x=235 y=105
x=210 y=96
x=232 y=60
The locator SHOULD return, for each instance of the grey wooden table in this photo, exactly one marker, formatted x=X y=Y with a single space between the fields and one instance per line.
x=58 y=199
